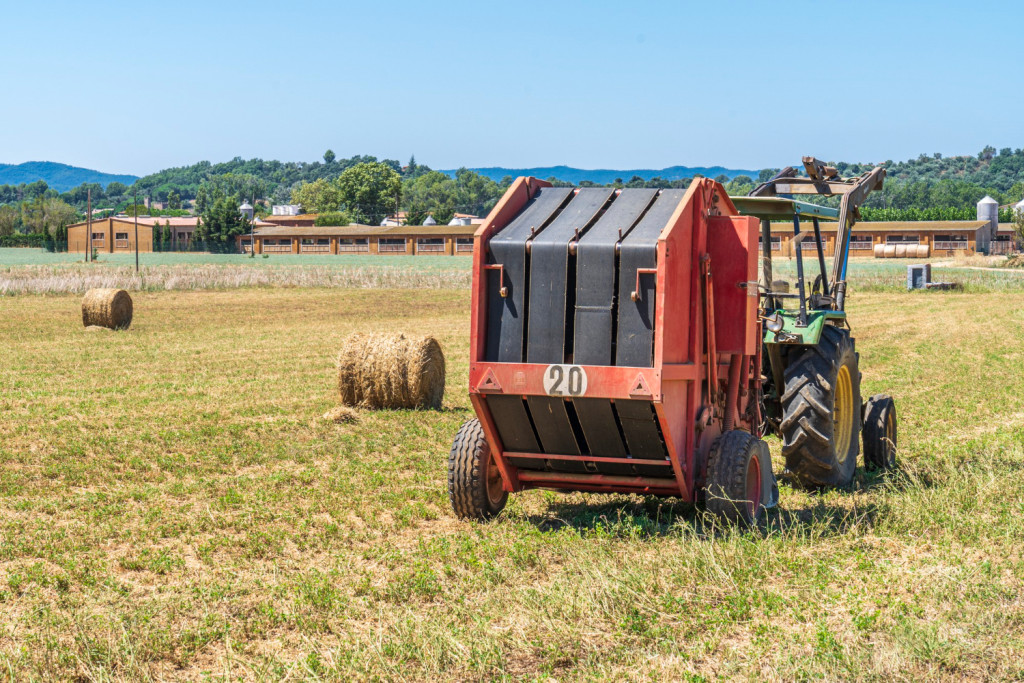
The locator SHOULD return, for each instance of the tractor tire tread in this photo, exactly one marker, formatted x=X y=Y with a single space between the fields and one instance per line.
x=727 y=476
x=875 y=448
x=467 y=472
x=807 y=426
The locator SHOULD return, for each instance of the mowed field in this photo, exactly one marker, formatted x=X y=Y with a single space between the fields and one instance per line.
x=173 y=505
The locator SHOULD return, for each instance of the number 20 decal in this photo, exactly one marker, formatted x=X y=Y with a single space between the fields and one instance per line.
x=565 y=380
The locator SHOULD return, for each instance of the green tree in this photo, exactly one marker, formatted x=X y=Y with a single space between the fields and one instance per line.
x=221 y=222
x=432 y=193
x=10 y=219
x=370 y=191
x=740 y=185
x=33 y=215
x=173 y=200
x=319 y=196
x=329 y=157
x=1018 y=225
x=115 y=189
x=165 y=236
x=332 y=218
x=57 y=214
x=477 y=193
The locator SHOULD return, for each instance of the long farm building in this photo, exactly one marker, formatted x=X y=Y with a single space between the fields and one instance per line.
x=425 y=240
x=932 y=239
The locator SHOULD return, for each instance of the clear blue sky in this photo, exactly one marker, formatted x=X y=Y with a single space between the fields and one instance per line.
x=131 y=87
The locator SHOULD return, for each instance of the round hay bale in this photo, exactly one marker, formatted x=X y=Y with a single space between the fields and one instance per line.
x=879 y=251
x=922 y=250
x=391 y=371
x=110 y=308
x=901 y=251
x=890 y=250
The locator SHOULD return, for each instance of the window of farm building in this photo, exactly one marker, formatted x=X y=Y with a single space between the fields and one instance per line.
x=809 y=245
x=315 y=246
x=463 y=244
x=1002 y=244
x=430 y=245
x=347 y=246
x=776 y=242
x=902 y=239
x=99 y=237
x=121 y=240
x=278 y=246
x=948 y=242
x=391 y=245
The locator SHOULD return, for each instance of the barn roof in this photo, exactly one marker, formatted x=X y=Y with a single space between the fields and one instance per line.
x=893 y=226
x=367 y=231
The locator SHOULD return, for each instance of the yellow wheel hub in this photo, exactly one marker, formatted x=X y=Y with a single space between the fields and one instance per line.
x=843 y=414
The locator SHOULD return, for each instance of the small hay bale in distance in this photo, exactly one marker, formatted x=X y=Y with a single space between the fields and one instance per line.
x=391 y=371
x=110 y=308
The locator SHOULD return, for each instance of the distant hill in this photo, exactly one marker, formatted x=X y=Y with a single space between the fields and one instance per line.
x=60 y=177
x=604 y=175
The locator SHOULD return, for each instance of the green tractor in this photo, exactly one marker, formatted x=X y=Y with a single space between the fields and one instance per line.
x=811 y=392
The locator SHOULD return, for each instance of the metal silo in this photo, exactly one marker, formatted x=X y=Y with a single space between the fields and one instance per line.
x=988 y=210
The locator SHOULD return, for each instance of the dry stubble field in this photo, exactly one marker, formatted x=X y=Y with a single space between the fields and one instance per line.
x=172 y=505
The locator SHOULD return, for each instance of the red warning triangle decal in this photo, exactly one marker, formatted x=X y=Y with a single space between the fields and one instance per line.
x=639 y=387
x=489 y=383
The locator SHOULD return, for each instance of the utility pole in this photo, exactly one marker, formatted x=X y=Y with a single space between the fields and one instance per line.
x=88 y=225
x=136 y=202
x=252 y=228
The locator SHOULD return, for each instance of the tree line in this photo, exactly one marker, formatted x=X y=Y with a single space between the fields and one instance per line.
x=363 y=189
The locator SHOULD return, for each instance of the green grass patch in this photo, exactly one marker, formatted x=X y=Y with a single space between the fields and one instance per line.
x=172 y=505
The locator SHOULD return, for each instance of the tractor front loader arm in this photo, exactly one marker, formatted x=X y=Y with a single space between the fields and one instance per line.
x=849 y=213
x=825 y=181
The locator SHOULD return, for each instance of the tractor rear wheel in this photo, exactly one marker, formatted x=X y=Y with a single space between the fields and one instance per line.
x=734 y=488
x=475 y=487
x=821 y=411
x=880 y=433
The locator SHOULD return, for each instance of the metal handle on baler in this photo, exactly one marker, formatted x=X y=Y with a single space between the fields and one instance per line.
x=635 y=294
x=500 y=267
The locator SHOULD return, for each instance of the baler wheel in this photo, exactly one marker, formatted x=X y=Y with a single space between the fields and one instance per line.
x=735 y=481
x=474 y=483
x=821 y=411
x=880 y=433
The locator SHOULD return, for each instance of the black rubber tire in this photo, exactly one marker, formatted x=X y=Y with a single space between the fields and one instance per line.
x=808 y=407
x=467 y=474
x=725 y=491
x=879 y=444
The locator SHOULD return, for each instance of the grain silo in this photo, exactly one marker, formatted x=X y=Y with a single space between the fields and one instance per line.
x=988 y=210
x=246 y=210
